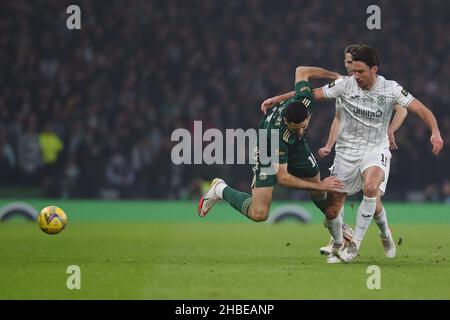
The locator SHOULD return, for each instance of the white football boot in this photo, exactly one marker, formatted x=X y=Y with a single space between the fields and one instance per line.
x=349 y=253
x=209 y=199
x=390 y=250
x=328 y=249
x=333 y=257
x=348 y=234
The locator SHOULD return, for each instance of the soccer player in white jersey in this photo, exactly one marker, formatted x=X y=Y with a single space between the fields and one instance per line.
x=368 y=100
x=336 y=129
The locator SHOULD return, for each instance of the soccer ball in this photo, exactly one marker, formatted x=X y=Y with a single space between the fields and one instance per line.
x=52 y=220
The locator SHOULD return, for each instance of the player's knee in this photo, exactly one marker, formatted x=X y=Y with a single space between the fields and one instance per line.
x=332 y=212
x=260 y=214
x=370 y=190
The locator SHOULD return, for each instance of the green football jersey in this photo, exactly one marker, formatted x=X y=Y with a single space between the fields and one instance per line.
x=288 y=140
x=292 y=148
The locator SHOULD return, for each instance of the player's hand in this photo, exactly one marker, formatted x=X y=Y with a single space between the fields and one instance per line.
x=437 y=143
x=267 y=104
x=323 y=152
x=332 y=184
x=392 y=144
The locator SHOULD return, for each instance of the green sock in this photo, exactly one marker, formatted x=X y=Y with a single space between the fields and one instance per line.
x=241 y=201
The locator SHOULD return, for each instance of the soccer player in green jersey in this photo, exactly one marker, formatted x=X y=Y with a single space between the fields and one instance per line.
x=295 y=166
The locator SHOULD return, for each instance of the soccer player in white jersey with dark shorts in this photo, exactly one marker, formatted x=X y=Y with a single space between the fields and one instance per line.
x=368 y=100
x=339 y=126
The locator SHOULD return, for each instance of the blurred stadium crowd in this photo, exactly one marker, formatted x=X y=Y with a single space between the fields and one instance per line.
x=90 y=113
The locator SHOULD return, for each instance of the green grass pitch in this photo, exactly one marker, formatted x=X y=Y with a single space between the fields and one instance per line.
x=125 y=251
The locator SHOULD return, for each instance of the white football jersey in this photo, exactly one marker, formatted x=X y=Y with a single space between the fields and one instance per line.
x=365 y=114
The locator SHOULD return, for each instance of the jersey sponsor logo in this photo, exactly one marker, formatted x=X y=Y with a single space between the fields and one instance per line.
x=262 y=176
x=405 y=93
x=367 y=113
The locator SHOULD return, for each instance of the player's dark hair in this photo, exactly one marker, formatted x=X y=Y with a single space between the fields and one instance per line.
x=296 y=112
x=350 y=48
x=367 y=54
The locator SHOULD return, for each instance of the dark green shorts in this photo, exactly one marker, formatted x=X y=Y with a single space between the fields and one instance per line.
x=301 y=164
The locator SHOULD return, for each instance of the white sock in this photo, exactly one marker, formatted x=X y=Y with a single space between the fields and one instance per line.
x=364 y=216
x=381 y=221
x=335 y=228
x=219 y=189
x=341 y=213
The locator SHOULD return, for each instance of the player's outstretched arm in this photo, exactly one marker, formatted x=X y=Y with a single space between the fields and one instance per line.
x=301 y=73
x=307 y=73
x=332 y=137
x=396 y=123
x=428 y=117
x=269 y=103
x=287 y=180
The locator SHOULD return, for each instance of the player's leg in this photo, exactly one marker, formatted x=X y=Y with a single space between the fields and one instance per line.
x=372 y=178
x=380 y=217
x=328 y=248
x=347 y=172
x=255 y=206
x=334 y=215
x=319 y=198
x=260 y=206
x=381 y=220
x=303 y=165
x=333 y=222
x=331 y=204
x=335 y=225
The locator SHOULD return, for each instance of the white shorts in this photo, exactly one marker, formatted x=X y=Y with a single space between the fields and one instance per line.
x=350 y=172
